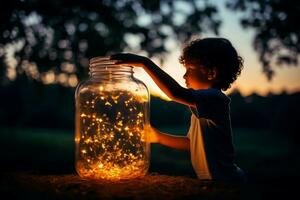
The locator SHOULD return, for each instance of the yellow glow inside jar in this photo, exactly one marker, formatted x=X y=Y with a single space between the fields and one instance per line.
x=111 y=118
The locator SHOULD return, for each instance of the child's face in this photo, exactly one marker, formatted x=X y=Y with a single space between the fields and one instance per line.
x=196 y=77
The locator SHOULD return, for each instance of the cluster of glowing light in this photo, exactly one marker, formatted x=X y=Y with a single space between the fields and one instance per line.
x=111 y=139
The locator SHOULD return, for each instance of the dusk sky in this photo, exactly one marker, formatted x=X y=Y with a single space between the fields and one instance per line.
x=252 y=79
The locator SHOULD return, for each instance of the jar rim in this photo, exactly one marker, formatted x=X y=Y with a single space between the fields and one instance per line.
x=101 y=63
x=110 y=68
x=105 y=68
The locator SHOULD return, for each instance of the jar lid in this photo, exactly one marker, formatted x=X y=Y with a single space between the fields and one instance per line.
x=104 y=61
x=100 y=60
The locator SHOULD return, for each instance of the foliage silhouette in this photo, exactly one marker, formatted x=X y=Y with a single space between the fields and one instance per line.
x=276 y=29
x=61 y=35
x=52 y=107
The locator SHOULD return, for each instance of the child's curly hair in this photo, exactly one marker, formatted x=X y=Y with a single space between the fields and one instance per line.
x=214 y=53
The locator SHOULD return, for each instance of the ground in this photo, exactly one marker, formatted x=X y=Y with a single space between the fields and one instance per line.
x=153 y=186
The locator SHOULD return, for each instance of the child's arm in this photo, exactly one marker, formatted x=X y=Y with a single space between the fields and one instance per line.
x=177 y=142
x=165 y=82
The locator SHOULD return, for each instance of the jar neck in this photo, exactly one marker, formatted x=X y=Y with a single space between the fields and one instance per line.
x=110 y=71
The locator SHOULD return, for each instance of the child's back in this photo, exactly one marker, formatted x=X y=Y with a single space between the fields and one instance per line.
x=210 y=134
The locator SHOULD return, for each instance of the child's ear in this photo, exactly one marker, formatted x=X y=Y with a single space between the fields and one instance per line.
x=212 y=74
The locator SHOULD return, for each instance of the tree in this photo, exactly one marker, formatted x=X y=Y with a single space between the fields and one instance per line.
x=276 y=28
x=53 y=40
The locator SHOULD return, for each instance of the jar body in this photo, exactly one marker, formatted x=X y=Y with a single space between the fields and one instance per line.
x=112 y=115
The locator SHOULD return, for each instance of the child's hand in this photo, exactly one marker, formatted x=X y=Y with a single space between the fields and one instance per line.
x=129 y=59
x=152 y=134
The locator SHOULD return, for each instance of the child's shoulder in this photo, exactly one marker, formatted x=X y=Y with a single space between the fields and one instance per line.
x=210 y=103
x=211 y=93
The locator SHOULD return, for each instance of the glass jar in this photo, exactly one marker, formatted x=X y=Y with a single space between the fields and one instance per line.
x=112 y=115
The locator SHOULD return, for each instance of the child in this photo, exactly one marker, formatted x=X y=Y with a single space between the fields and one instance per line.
x=212 y=65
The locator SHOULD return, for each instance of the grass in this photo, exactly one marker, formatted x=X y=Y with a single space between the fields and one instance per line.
x=255 y=148
x=268 y=159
